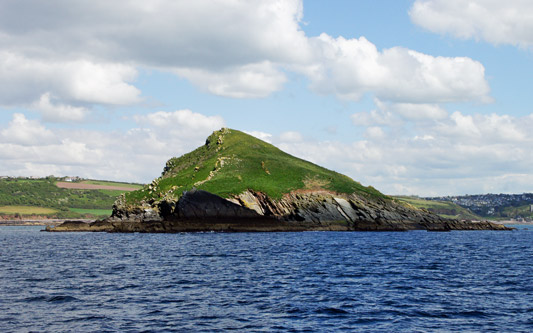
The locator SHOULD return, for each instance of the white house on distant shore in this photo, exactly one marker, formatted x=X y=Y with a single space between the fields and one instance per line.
x=71 y=179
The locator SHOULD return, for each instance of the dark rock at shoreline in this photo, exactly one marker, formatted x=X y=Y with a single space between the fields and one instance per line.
x=198 y=210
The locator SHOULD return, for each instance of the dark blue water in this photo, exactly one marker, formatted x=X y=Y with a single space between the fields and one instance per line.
x=311 y=281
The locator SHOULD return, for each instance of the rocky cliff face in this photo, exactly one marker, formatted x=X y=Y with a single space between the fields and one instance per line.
x=198 y=210
x=355 y=212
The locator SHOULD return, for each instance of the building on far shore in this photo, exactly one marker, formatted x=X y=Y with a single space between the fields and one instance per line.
x=72 y=179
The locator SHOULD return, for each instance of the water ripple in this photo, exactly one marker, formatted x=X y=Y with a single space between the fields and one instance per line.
x=311 y=281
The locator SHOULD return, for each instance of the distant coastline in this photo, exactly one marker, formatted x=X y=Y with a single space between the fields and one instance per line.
x=53 y=222
x=513 y=222
x=41 y=222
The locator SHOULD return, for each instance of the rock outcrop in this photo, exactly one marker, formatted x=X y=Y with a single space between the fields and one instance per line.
x=236 y=182
x=198 y=210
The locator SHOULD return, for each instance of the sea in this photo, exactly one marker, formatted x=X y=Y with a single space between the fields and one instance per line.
x=417 y=281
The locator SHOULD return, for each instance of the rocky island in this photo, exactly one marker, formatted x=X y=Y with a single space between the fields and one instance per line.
x=236 y=182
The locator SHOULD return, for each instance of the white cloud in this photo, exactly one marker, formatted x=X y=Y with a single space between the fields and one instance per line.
x=59 y=112
x=419 y=112
x=267 y=137
x=24 y=132
x=278 y=140
x=375 y=133
x=454 y=155
x=290 y=136
x=229 y=48
x=397 y=114
x=349 y=68
x=375 y=117
x=90 y=52
x=486 y=129
x=498 y=22
x=462 y=126
x=102 y=83
x=181 y=119
x=248 y=81
x=163 y=33
x=25 y=80
x=161 y=131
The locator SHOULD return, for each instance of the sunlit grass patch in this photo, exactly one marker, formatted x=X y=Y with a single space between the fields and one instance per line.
x=26 y=210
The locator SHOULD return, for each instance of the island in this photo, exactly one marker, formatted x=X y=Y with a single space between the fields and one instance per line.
x=239 y=183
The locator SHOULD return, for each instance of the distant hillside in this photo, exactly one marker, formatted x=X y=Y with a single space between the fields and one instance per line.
x=73 y=198
x=494 y=206
x=443 y=208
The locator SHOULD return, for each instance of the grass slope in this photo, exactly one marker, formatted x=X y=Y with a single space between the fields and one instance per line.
x=231 y=162
x=442 y=208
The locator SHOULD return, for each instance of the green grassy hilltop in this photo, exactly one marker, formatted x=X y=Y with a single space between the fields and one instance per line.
x=231 y=162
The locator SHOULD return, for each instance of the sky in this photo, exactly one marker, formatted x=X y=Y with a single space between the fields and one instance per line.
x=420 y=97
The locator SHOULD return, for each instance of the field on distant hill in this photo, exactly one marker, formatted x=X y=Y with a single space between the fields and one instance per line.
x=26 y=210
x=442 y=208
x=98 y=185
x=53 y=197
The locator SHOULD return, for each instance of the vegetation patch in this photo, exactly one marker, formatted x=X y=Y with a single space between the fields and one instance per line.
x=315 y=183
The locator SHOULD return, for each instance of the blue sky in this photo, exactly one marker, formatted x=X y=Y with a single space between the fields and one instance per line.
x=427 y=97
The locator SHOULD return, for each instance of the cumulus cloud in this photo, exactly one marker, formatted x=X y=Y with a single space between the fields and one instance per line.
x=379 y=117
x=290 y=136
x=397 y=114
x=278 y=140
x=249 y=81
x=375 y=133
x=267 y=137
x=417 y=112
x=486 y=129
x=497 y=22
x=226 y=47
x=180 y=122
x=90 y=53
x=24 y=80
x=163 y=33
x=24 y=132
x=59 y=112
x=349 y=68
x=457 y=154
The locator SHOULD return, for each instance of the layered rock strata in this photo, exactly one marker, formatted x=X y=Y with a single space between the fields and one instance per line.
x=198 y=210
